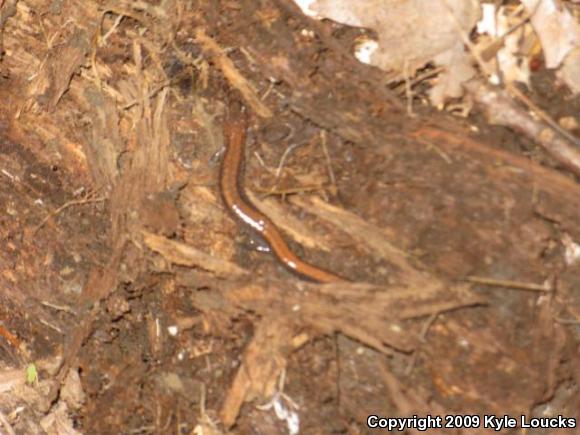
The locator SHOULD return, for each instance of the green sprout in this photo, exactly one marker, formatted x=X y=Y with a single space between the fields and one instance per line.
x=31 y=374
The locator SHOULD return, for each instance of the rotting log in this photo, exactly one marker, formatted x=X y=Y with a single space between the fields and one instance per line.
x=70 y=100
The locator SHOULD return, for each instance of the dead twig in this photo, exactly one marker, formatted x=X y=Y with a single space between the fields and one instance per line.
x=86 y=200
x=516 y=285
x=501 y=109
x=328 y=163
x=64 y=308
x=283 y=193
x=285 y=155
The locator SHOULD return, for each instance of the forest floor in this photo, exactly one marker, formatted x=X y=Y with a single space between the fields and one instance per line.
x=132 y=300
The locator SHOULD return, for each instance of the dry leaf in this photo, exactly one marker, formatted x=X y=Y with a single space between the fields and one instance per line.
x=557 y=29
x=569 y=73
x=505 y=44
x=559 y=33
x=410 y=34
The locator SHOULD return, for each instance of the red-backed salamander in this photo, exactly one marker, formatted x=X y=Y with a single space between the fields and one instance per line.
x=231 y=187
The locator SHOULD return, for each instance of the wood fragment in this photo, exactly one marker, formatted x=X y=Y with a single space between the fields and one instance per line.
x=371 y=239
x=232 y=74
x=185 y=255
x=367 y=313
x=263 y=362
